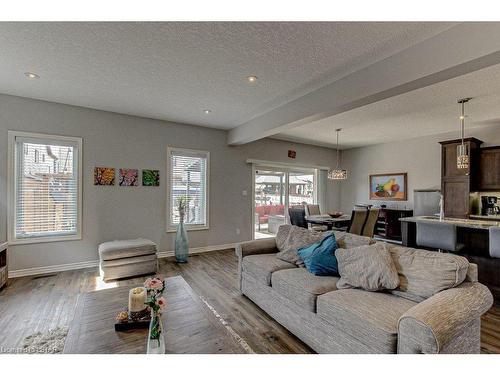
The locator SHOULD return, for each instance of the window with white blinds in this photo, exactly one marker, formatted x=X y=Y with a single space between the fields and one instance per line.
x=188 y=178
x=45 y=188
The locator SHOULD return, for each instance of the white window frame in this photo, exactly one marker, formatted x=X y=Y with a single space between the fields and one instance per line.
x=171 y=227
x=12 y=188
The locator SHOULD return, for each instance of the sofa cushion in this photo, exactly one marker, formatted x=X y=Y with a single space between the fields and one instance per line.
x=369 y=317
x=423 y=273
x=291 y=238
x=348 y=240
x=260 y=267
x=126 y=248
x=319 y=258
x=302 y=287
x=368 y=267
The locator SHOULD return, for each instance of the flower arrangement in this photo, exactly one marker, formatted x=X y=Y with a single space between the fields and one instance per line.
x=157 y=303
x=182 y=203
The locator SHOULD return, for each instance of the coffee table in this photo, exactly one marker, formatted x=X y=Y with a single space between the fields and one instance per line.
x=189 y=325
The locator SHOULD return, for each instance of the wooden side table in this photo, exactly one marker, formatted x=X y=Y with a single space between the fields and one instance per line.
x=4 y=269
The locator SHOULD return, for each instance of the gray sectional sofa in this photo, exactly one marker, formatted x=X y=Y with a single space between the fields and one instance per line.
x=436 y=308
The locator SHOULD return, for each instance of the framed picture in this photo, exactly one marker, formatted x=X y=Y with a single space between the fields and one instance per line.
x=129 y=177
x=389 y=186
x=150 y=177
x=104 y=176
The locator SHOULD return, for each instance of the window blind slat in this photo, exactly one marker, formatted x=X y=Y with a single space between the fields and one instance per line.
x=46 y=197
x=188 y=179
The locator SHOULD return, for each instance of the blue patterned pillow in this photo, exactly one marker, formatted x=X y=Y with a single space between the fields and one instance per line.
x=319 y=258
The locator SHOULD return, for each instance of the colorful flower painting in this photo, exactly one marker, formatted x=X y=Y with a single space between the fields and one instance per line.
x=389 y=187
x=150 y=177
x=129 y=177
x=104 y=176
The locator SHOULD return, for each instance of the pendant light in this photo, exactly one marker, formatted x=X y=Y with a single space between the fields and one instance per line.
x=337 y=173
x=462 y=149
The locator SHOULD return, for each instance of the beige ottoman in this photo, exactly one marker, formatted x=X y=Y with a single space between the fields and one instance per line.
x=127 y=258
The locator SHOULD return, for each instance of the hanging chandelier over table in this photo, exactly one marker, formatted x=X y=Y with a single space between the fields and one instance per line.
x=337 y=173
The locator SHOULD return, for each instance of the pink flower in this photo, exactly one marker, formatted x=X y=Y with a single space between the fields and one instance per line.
x=156 y=284
x=147 y=283
x=153 y=284
x=162 y=302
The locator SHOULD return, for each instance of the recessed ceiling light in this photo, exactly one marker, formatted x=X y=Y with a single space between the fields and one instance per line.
x=207 y=111
x=252 y=79
x=31 y=75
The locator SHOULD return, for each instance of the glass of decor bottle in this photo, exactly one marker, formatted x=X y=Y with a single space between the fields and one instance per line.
x=181 y=239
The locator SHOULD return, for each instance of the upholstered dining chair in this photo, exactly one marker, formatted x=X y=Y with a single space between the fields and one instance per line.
x=370 y=222
x=312 y=209
x=358 y=218
x=297 y=216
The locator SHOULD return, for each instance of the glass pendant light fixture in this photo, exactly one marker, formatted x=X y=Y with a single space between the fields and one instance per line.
x=462 y=149
x=337 y=173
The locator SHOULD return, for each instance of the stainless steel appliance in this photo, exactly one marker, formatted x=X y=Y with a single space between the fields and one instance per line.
x=489 y=205
x=426 y=202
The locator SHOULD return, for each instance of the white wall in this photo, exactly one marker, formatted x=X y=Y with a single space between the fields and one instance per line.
x=115 y=140
x=419 y=157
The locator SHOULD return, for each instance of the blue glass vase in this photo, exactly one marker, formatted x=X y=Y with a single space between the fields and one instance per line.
x=181 y=241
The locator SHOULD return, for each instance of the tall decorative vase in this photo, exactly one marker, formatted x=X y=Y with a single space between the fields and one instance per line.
x=181 y=241
x=156 y=341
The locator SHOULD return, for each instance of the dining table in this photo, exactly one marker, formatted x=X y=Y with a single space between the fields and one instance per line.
x=329 y=221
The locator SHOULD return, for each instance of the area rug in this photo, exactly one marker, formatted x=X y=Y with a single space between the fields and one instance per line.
x=48 y=342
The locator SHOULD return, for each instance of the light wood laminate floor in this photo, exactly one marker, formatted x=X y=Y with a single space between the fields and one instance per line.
x=39 y=303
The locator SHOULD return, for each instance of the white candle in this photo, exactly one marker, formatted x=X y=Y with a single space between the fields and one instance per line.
x=136 y=299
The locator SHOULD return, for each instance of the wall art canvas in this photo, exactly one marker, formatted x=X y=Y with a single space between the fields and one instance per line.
x=104 y=176
x=388 y=187
x=129 y=177
x=150 y=177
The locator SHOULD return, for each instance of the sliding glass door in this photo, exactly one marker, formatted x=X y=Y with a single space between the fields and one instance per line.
x=275 y=190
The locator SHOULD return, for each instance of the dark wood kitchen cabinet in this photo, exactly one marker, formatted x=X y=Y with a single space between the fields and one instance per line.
x=456 y=184
x=489 y=169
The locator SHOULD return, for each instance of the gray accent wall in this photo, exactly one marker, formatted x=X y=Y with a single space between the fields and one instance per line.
x=419 y=157
x=115 y=212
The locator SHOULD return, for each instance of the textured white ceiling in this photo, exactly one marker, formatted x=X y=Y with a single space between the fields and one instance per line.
x=174 y=71
x=426 y=111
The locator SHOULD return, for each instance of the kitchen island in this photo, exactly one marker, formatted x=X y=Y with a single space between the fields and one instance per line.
x=474 y=235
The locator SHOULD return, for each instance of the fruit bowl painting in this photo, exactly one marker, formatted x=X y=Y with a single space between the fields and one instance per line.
x=388 y=187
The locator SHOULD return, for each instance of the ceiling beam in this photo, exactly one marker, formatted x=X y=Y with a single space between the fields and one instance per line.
x=459 y=50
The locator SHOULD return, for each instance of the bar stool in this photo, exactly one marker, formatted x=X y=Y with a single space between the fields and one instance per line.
x=438 y=235
x=495 y=242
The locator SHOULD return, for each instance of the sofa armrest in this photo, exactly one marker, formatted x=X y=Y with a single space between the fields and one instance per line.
x=447 y=322
x=261 y=246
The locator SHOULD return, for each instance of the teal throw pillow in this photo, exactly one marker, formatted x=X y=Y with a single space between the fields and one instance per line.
x=319 y=258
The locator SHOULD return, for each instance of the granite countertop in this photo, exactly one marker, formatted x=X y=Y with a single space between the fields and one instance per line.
x=464 y=223
x=484 y=217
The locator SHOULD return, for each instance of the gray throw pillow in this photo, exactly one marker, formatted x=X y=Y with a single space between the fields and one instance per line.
x=348 y=240
x=291 y=238
x=368 y=267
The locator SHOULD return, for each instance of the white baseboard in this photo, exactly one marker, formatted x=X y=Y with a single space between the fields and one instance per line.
x=51 y=269
x=197 y=250
x=94 y=263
